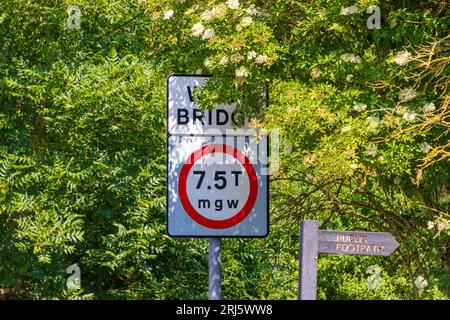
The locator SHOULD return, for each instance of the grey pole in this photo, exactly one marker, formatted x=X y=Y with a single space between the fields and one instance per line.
x=309 y=250
x=215 y=284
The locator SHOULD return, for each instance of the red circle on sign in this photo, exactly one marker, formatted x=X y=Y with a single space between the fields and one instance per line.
x=194 y=214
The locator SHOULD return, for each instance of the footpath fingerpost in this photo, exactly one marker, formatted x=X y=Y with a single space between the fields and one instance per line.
x=314 y=241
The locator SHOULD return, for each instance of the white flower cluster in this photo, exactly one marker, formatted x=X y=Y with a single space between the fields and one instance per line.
x=348 y=57
x=252 y=10
x=409 y=116
x=406 y=94
x=429 y=107
x=199 y=30
x=354 y=166
x=421 y=282
x=261 y=59
x=168 y=14
x=241 y=72
x=236 y=58
x=425 y=147
x=207 y=15
x=402 y=58
x=251 y=55
x=316 y=73
x=360 y=107
x=373 y=122
x=233 y=4
x=349 y=10
x=215 y=12
x=441 y=225
x=208 y=34
x=223 y=61
x=371 y=150
x=245 y=22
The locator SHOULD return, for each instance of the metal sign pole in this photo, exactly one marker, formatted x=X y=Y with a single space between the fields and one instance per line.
x=215 y=281
x=309 y=250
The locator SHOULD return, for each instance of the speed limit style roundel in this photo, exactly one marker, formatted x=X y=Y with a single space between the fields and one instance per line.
x=238 y=210
x=217 y=184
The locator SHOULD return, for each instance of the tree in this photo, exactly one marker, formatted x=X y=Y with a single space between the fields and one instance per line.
x=363 y=116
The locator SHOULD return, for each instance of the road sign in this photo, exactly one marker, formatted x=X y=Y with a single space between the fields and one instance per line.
x=314 y=241
x=217 y=184
x=357 y=243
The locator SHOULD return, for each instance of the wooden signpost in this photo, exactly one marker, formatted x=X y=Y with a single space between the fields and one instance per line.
x=314 y=241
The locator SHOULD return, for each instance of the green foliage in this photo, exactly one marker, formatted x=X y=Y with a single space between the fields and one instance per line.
x=82 y=143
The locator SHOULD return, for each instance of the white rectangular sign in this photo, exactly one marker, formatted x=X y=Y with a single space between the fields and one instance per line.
x=217 y=185
x=216 y=188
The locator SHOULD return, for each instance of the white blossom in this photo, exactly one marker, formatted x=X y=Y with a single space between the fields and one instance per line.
x=215 y=12
x=261 y=59
x=442 y=225
x=245 y=22
x=406 y=94
x=223 y=61
x=425 y=147
x=252 y=10
x=349 y=10
x=242 y=72
x=421 y=282
x=207 y=15
x=402 y=58
x=316 y=73
x=360 y=107
x=197 y=29
x=348 y=57
x=430 y=225
x=236 y=58
x=233 y=4
x=209 y=33
x=371 y=150
x=251 y=55
x=168 y=14
x=349 y=78
x=354 y=166
x=373 y=123
x=409 y=116
x=429 y=107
